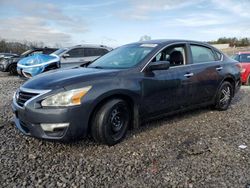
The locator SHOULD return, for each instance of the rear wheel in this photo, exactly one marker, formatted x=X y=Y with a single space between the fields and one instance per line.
x=224 y=96
x=12 y=70
x=110 y=122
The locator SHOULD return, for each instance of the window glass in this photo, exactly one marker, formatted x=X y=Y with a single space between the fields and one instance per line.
x=48 y=51
x=77 y=52
x=60 y=51
x=123 y=57
x=219 y=55
x=35 y=52
x=88 y=52
x=202 y=54
x=94 y=52
x=245 y=58
x=174 y=54
x=103 y=51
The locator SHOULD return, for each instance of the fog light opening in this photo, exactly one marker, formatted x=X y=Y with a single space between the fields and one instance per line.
x=51 y=127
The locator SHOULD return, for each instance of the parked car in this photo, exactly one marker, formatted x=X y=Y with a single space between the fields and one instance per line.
x=244 y=59
x=127 y=86
x=80 y=55
x=7 y=55
x=10 y=64
x=4 y=57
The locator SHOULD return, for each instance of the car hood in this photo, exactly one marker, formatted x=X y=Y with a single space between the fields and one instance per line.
x=245 y=64
x=37 y=60
x=63 y=78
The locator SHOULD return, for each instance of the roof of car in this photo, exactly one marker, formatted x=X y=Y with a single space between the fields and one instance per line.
x=90 y=46
x=168 y=41
x=45 y=48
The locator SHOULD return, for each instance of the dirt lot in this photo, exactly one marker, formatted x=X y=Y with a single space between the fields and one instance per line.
x=195 y=149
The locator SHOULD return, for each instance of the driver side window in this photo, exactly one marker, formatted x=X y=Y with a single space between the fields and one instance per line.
x=176 y=55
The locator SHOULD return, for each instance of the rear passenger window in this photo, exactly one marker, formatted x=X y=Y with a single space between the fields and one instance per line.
x=77 y=52
x=88 y=52
x=202 y=54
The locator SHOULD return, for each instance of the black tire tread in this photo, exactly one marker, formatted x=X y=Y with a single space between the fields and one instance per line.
x=216 y=106
x=97 y=131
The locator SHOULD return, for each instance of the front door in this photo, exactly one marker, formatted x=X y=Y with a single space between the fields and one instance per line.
x=167 y=90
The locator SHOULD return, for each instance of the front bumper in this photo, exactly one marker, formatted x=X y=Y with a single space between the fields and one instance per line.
x=29 y=71
x=29 y=119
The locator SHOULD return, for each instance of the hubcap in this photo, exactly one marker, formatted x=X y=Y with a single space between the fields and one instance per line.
x=225 y=95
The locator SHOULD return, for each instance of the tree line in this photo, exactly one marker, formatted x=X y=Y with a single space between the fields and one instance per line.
x=232 y=41
x=18 y=47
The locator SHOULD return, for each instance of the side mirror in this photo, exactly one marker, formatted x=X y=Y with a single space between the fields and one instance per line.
x=159 y=65
x=66 y=55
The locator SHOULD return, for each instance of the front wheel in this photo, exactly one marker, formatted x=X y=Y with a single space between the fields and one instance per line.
x=12 y=70
x=110 y=123
x=224 y=96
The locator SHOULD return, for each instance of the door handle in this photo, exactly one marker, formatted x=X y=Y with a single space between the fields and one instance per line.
x=188 y=75
x=219 y=68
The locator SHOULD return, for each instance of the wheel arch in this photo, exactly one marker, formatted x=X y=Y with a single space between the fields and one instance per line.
x=231 y=80
x=131 y=100
x=11 y=64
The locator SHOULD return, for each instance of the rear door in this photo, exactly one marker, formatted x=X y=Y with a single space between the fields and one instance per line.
x=206 y=68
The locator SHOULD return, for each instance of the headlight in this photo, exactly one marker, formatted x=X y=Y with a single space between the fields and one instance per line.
x=67 y=98
x=4 y=62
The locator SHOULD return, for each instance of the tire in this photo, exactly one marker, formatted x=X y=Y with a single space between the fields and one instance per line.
x=224 y=96
x=110 y=122
x=12 y=70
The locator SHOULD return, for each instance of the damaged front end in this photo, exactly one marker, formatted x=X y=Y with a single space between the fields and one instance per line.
x=37 y=64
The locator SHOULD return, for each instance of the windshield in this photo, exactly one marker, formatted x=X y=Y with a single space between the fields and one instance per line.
x=25 y=53
x=245 y=58
x=59 y=51
x=123 y=57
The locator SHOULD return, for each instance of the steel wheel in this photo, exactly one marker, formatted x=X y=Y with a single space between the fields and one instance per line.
x=111 y=121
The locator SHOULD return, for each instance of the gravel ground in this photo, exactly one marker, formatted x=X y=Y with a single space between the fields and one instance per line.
x=194 y=149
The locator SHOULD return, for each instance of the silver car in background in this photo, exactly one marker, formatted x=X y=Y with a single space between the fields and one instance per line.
x=71 y=57
x=80 y=55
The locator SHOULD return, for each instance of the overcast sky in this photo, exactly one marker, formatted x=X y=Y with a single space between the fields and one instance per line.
x=116 y=22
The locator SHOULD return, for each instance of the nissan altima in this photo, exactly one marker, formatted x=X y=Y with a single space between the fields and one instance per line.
x=124 y=88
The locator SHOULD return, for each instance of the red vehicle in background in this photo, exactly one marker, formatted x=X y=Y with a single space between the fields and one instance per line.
x=244 y=59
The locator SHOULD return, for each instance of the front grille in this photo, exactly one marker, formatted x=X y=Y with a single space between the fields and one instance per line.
x=22 y=97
